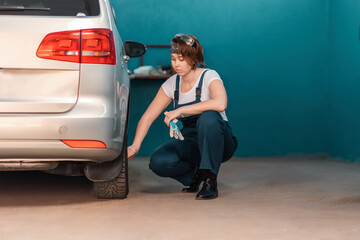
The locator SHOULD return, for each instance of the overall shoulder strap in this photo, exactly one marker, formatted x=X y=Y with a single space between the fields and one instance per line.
x=176 y=92
x=198 y=89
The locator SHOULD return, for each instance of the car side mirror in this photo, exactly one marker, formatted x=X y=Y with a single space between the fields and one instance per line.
x=134 y=49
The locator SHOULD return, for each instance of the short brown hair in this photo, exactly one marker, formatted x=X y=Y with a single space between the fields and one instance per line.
x=192 y=54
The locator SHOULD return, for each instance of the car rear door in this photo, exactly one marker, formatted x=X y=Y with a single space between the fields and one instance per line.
x=29 y=84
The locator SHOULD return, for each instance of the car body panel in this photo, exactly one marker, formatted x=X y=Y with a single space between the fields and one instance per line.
x=38 y=90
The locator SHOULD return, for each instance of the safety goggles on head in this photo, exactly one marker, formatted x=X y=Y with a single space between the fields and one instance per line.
x=185 y=38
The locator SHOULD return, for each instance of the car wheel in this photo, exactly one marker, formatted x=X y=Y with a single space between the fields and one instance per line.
x=117 y=188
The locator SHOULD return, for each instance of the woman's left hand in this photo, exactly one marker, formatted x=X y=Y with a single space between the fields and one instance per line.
x=172 y=115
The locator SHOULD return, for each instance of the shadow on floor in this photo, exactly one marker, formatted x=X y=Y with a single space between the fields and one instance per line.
x=39 y=189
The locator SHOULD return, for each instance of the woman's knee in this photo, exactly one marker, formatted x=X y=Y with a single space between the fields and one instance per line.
x=161 y=163
x=210 y=120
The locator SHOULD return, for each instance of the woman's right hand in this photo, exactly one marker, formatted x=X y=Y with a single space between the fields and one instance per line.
x=131 y=152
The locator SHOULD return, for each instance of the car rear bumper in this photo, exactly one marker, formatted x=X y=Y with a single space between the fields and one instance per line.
x=38 y=138
x=51 y=151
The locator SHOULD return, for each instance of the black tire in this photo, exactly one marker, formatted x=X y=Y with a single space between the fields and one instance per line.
x=118 y=188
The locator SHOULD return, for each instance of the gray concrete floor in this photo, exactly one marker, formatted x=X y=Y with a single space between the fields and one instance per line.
x=260 y=198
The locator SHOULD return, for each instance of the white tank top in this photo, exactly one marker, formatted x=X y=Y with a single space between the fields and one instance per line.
x=170 y=84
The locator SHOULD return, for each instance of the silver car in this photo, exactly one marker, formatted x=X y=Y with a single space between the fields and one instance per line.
x=64 y=91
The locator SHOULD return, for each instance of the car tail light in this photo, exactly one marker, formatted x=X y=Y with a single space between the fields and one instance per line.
x=62 y=46
x=97 y=46
x=82 y=46
x=84 y=144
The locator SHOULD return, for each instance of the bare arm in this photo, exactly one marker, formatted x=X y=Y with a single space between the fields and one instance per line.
x=218 y=102
x=157 y=106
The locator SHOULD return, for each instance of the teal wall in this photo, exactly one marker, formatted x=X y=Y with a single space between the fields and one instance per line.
x=345 y=80
x=272 y=55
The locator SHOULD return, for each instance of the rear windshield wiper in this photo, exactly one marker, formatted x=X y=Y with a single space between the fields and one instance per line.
x=22 y=8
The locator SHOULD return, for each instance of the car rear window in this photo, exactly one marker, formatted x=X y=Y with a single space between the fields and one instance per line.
x=50 y=7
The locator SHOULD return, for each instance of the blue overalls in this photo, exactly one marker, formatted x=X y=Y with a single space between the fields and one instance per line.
x=208 y=142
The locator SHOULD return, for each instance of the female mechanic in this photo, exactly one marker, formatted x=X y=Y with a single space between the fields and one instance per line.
x=200 y=101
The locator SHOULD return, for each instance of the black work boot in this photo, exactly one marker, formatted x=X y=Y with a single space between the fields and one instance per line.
x=194 y=186
x=209 y=189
